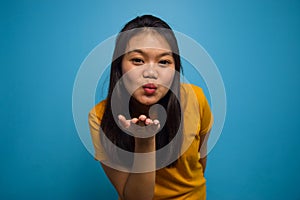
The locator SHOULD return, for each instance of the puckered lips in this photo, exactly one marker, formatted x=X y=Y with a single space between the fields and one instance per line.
x=149 y=88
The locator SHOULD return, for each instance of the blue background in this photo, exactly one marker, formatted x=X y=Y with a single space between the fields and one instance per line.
x=255 y=44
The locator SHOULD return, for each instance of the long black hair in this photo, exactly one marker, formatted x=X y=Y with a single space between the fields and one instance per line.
x=171 y=101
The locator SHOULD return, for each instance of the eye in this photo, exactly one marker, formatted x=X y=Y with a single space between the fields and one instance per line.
x=165 y=62
x=137 y=61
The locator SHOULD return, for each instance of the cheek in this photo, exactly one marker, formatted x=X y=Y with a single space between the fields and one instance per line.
x=167 y=76
x=125 y=66
x=132 y=79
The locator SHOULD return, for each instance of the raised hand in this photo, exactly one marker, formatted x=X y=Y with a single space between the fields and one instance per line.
x=141 y=127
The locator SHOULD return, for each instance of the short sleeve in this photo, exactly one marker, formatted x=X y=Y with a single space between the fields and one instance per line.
x=94 y=119
x=206 y=117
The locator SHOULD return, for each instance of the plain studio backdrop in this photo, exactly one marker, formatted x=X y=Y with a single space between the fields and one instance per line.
x=255 y=45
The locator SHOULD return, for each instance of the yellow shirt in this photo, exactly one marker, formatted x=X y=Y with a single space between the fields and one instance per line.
x=185 y=180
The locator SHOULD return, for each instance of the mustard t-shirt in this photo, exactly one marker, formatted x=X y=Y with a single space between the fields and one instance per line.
x=185 y=180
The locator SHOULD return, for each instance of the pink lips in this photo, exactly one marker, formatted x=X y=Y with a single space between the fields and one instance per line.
x=149 y=88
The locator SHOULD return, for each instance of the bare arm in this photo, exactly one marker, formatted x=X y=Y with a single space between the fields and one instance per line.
x=136 y=185
x=141 y=185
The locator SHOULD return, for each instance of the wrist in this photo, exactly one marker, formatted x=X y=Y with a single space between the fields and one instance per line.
x=144 y=145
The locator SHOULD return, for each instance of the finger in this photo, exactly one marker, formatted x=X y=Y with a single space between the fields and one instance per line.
x=148 y=121
x=121 y=118
x=142 y=117
x=123 y=121
x=134 y=120
x=156 y=123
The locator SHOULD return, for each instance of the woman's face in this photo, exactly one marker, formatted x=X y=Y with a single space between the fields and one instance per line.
x=148 y=66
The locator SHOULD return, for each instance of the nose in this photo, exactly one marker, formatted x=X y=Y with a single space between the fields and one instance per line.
x=150 y=72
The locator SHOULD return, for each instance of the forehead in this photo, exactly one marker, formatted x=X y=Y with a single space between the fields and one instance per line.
x=148 y=40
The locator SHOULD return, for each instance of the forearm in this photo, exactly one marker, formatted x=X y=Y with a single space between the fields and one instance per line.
x=141 y=185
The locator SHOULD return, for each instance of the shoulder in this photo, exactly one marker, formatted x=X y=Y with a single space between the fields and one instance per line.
x=96 y=113
x=195 y=99
x=192 y=90
x=187 y=86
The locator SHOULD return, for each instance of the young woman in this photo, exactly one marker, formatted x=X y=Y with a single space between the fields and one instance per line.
x=150 y=132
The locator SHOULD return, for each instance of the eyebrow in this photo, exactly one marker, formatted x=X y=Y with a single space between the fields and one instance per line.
x=168 y=53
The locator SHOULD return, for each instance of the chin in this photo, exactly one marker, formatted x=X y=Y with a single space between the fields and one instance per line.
x=148 y=102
